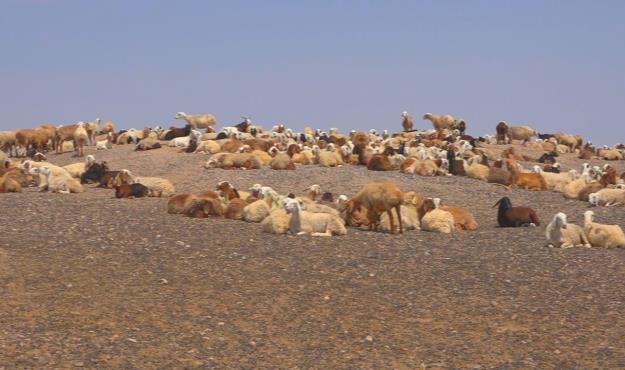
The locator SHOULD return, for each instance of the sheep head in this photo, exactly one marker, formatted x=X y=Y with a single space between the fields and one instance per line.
x=180 y=115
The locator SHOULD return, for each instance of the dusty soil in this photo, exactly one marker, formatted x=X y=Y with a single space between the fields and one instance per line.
x=91 y=281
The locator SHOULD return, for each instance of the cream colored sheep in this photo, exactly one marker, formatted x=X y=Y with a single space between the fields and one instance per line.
x=183 y=142
x=40 y=179
x=277 y=222
x=208 y=146
x=478 y=171
x=258 y=210
x=105 y=144
x=572 y=189
x=158 y=187
x=59 y=184
x=81 y=138
x=560 y=233
x=610 y=154
x=437 y=220
x=601 y=235
x=440 y=122
x=197 y=120
x=607 y=197
x=521 y=133
x=77 y=169
x=326 y=158
x=317 y=224
x=409 y=217
x=557 y=181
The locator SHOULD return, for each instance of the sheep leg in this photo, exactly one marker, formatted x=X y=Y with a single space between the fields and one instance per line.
x=401 y=225
x=391 y=220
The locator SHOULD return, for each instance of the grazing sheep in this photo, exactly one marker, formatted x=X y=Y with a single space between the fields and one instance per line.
x=435 y=219
x=406 y=121
x=197 y=120
x=441 y=122
x=607 y=197
x=158 y=187
x=131 y=191
x=562 y=234
x=59 y=184
x=77 y=169
x=317 y=224
x=377 y=198
x=601 y=235
x=521 y=133
x=509 y=216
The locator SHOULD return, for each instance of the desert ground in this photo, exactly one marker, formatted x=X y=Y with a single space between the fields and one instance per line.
x=87 y=280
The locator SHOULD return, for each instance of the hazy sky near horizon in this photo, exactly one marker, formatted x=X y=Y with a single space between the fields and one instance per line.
x=557 y=65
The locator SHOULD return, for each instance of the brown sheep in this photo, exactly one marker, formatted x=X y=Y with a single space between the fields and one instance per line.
x=380 y=162
x=527 y=181
x=202 y=208
x=379 y=197
x=282 y=161
x=502 y=132
x=81 y=138
x=463 y=219
x=8 y=184
x=406 y=121
x=36 y=138
x=63 y=133
x=509 y=216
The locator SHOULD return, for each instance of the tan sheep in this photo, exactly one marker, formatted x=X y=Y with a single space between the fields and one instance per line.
x=158 y=187
x=560 y=233
x=440 y=122
x=77 y=169
x=197 y=120
x=59 y=184
x=601 y=235
x=377 y=198
x=521 y=133
x=435 y=219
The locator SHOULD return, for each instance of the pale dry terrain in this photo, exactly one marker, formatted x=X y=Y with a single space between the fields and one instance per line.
x=87 y=280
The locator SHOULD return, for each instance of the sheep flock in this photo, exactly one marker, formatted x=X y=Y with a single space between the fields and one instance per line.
x=512 y=157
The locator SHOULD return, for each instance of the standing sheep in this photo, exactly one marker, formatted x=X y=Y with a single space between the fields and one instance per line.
x=440 y=122
x=406 y=121
x=377 y=198
x=197 y=120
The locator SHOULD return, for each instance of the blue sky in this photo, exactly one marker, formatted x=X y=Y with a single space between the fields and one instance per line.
x=558 y=65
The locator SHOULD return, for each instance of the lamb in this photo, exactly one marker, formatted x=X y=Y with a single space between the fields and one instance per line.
x=105 y=144
x=131 y=191
x=562 y=234
x=197 y=120
x=607 y=197
x=81 y=138
x=378 y=197
x=509 y=216
x=77 y=169
x=317 y=224
x=59 y=184
x=601 y=235
x=441 y=122
x=406 y=121
x=521 y=133
x=435 y=219
x=158 y=187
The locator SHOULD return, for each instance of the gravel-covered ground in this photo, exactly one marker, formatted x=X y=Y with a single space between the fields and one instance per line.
x=87 y=280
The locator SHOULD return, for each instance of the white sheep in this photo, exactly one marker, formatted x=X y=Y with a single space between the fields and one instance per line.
x=40 y=179
x=601 y=235
x=59 y=184
x=607 y=197
x=560 y=233
x=183 y=142
x=317 y=224
x=105 y=144
x=556 y=181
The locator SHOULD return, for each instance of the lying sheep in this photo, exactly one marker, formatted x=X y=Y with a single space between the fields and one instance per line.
x=435 y=219
x=607 y=197
x=277 y=222
x=77 y=169
x=131 y=191
x=158 y=187
x=59 y=184
x=601 y=235
x=317 y=224
x=233 y=160
x=560 y=233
